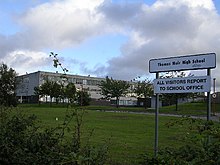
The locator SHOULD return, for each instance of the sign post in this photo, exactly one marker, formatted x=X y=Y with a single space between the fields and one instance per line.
x=156 y=122
x=208 y=98
x=182 y=85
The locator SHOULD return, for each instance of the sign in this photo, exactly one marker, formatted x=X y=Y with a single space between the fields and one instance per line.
x=190 y=62
x=183 y=85
x=214 y=95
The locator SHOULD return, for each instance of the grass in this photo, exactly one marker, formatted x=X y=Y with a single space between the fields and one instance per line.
x=130 y=135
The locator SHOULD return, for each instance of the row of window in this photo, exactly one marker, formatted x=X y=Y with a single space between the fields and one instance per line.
x=73 y=80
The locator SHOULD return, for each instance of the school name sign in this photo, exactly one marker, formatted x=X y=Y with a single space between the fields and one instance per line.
x=190 y=62
x=182 y=85
x=185 y=84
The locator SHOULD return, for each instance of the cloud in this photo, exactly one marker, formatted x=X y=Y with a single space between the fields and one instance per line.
x=167 y=28
x=119 y=13
x=54 y=25
x=61 y=24
x=207 y=4
x=23 y=59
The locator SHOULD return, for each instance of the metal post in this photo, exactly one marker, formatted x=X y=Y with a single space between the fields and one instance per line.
x=81 y=99
x=214 y=85
x=208 y=98
x=156 y=122
x=214 y=99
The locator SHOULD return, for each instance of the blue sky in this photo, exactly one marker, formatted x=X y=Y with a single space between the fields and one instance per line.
x=106 y=37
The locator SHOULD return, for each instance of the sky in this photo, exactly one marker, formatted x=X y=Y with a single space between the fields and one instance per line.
x=114 y=38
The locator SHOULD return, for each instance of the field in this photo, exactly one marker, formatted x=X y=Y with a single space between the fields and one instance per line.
x=129 y=136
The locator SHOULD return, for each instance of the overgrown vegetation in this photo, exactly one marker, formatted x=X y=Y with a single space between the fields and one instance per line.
x=201 y=145
x=7 y=86
x=24 y=141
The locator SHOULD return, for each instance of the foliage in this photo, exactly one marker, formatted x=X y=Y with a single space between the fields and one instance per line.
x=144 y=89
x=201 y=147
x=114 y=88
x=7 y=86
x=45 y=88
x=57 y=63
x=56 y=90
x=70 y=92
x=24 y=141
x=83 y=98
x=48 y=88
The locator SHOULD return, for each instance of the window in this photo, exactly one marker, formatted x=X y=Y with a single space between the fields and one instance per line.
x=79 y=81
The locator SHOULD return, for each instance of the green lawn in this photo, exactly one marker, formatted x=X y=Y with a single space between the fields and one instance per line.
x=129 y=135
x=197 y=108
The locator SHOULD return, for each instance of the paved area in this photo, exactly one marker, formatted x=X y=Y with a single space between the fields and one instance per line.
x=215 y=117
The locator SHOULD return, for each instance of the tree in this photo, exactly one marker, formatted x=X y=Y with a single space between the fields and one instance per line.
x=83 y=97
x=7 y=86
x=44 y=89
x=48 y=88
x=144 y=89
x=70 y=92
x=114 y=88
x=55 y=91
x=38 y=92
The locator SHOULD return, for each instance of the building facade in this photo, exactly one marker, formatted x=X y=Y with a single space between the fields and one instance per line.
x=26 y=93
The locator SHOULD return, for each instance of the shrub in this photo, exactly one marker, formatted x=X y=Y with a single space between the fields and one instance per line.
x=24 y=141
x=202 y=145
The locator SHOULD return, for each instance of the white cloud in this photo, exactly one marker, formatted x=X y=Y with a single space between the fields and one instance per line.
x=60 y=24
x=207 y=4
x=167 y=28
x=49 y=26
x=24 y=60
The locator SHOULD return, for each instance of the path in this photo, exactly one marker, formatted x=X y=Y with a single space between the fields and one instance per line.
x=216 y=117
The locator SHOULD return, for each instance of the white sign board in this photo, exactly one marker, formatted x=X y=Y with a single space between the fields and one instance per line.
x=191 y=62
x=183 y=85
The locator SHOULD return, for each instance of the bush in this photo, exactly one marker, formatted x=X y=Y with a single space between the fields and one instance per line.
x=202 y=145
x=23 y=141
